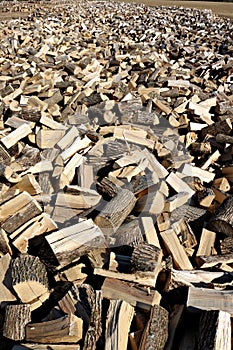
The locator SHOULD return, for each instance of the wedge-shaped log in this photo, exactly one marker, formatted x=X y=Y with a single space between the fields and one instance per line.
x=119 y=318
x=66 y=329
x=17 y=316
x=74 y=241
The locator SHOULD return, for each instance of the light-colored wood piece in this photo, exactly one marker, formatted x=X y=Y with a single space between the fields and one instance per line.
x=173 y=245
x=206 y=245
x=16 y=135
x=211 y=299
x=119 y=318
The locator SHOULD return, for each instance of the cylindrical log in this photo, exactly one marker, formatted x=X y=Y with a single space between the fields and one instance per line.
x=222 y=221
x=116 y=211
x=17 y=316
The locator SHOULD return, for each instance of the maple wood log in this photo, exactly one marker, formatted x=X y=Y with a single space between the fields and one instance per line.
x=30 y=280
x=214 y=331
x=17 y=316
x=145 y=257
x=155 y=334
x=116 y=211
x=95 y=327
x=222 y=221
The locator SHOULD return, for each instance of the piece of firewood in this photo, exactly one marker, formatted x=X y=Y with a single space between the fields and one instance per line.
x=205 y=197
x=95 y=326
x=7 y=293
x=194 y=171
x=115 y=211
x=176 y=201
x=133 y=294
x=146 y=257
x=178 y=184
x=4 y=243
x=41 y=225
x=17 y=317
x=78 y=201
x=47 y=138
x=210 y=299
x=66 y=329
x=206 y=245
x=72 y=274
x=29 y=184
x=107 y=188
x=68 y=172
x=155 y=334
x=149 y=231
x=221 y=127
x=71 y=242
x=119 y=318
x=163 y=221
x=214 y=331
x=173 y=245
x=223 y=138
x=174 y=320
x=16 y=135
x=222 y=221
x=30 y=280
x=77 y=146
x=15 y=202
x=36 y=346
x=186 y=235
x=52 y=124
x=129 y=233
x=226 y=245
x=68 y=138
x=213 y=260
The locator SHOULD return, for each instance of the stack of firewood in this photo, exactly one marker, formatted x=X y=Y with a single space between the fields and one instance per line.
x=116 y=174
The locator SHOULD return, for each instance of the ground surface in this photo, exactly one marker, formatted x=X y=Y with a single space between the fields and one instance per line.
x=219 y=8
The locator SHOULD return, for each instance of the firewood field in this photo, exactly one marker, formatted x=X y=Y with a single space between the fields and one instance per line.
x=116 y=177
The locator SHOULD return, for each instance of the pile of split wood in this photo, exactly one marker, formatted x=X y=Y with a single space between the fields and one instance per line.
x=116 y=175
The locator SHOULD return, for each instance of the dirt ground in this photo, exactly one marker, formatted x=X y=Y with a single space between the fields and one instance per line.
x=220 y=8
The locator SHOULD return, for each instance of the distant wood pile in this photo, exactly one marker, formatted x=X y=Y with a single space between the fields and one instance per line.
x=116 y=175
